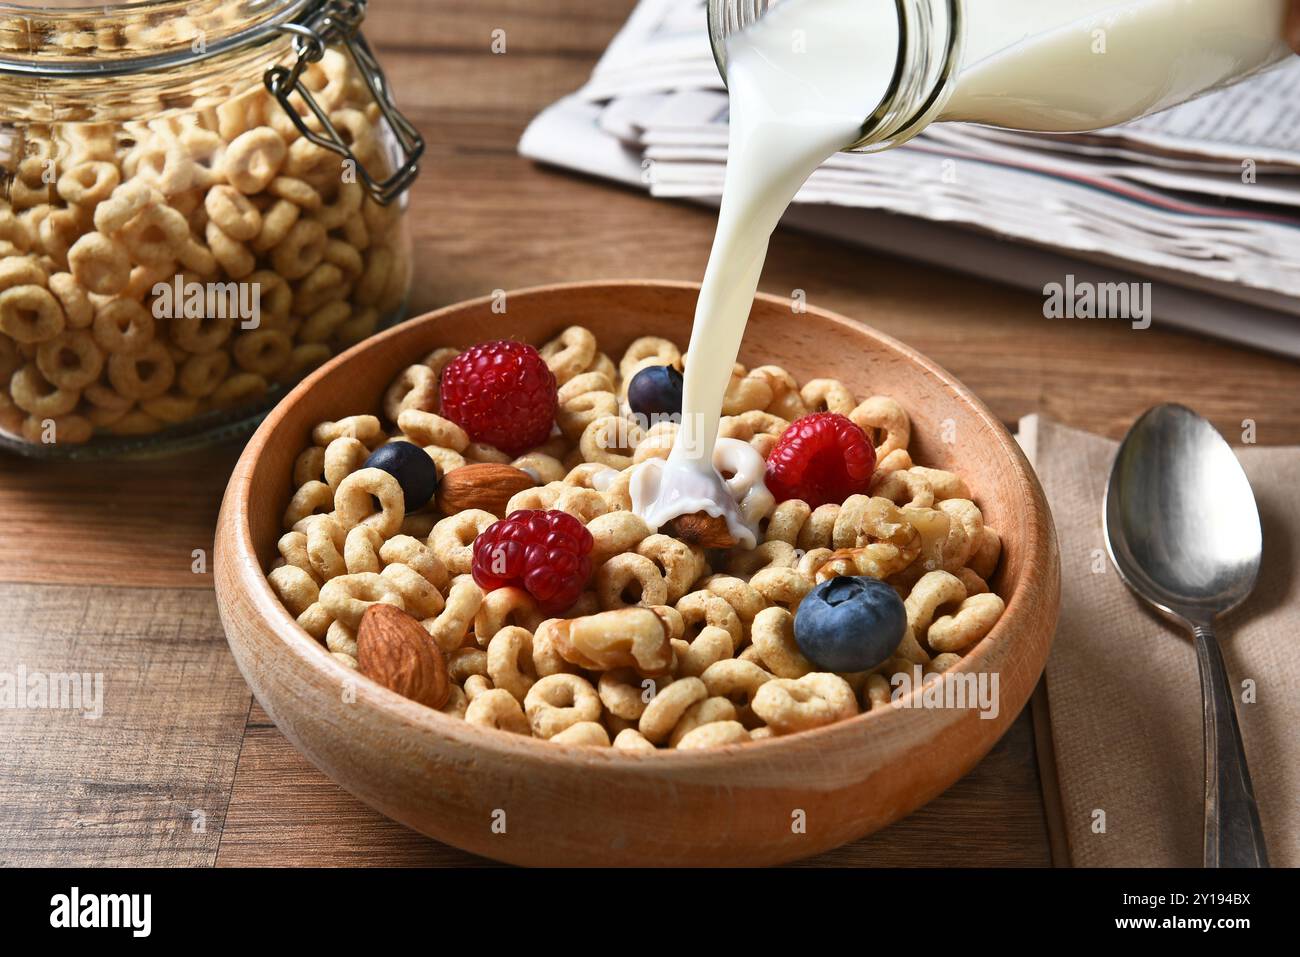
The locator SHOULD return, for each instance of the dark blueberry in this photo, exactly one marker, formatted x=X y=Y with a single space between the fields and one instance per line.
x=850 y=624
x=656 y=391
x=413 y=469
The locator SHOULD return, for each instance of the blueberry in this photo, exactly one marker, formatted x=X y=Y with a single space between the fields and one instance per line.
x=850 y=624
x=413 y=469
x=656 y=391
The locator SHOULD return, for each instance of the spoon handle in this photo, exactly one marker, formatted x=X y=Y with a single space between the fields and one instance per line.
x=1233 y=837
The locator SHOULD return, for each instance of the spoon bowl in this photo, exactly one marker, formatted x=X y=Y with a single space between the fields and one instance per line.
x=1183 y=531
x=1181 y=521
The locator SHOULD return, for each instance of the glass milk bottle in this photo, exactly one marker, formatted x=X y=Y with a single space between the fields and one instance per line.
x=1041 y=65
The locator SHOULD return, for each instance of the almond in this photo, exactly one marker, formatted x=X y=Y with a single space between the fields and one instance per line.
x=702 y=529
x=485 y=485
x=395 y=650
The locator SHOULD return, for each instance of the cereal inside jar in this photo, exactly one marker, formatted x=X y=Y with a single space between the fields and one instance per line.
x=199 y=204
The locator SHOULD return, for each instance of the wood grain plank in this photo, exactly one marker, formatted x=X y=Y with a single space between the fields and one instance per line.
x=283 y=809
x=122 y=789
x=131 y=523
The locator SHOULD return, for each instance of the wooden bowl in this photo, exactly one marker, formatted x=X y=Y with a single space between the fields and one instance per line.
x=528 y=801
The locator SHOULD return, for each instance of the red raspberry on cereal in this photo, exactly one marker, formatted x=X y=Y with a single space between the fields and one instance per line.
x=501 y=393
x=821 y=458
x=546 y=553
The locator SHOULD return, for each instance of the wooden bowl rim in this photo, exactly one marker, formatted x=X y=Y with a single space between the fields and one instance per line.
x=311 y=653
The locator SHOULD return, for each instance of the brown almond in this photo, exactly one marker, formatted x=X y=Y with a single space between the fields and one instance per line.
x=485 y=485
x=702 y=529
x=395 y=650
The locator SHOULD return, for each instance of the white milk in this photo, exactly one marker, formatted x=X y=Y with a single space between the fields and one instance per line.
x=803 y=79
x=796 y=99
x=1073 y=65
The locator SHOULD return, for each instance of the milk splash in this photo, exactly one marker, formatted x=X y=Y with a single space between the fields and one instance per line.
x=800 y=80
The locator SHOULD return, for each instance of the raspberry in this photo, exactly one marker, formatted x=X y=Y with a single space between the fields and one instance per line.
x=501 y=393
x=822 y=458
x=548 y=554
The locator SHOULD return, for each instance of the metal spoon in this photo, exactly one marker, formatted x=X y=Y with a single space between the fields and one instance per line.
x=1183 y=531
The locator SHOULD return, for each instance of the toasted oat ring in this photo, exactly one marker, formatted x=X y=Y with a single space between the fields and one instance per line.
x=679 y=563
x=904 y=487
x=22 y=271
x=816 y=699
x=154 y=234
x=498 y=709
x=416 y=387
x=32 y=394
x=773 y=633
x=325 y=283
x=253 y=159
x=703 y=609
x=965 y=531
x=543 y=468
x=200 y=334
x=361 y=550
x=647 y=350
x=570 y=353
x=345 y=203
x=348 y=596
x=973 y=619
x=294 y=587
x=626 y=571
x=735 y=679
x=984 y=561
x=509 y=661
x=297 y=191
x=231 y=255
x=339 y=638
x=585 y=733
x=363 y=427
x=121 y=207
x=452 y=539
x=30 y=313
x=699 y=714
x=322 y=546
x=614 y=533
x=355 y=494
x=76 y=304
x=450 y=628
x=301 y=249
x=583 y=400
x=100 y=264
x=623 y=692
x=72 y=361
x=276 y=223
x=410 y=551
x=931 y=592
x=232 y=212
x=342 y=457
x=709 y=646
x=603 y=438
x=630 y=739
x=292 y=547
x=739 y=594
x=89 y=183
x=123 y=326
x=667 y=707
x=501 y=607
x=263 y=351
x=886 y=421
x=557 y=702
x=419 y=596
x=144 y=374
x=715 y=734
x=828 y=395
x=240 y=388
x=429 y=428
x=746 y=392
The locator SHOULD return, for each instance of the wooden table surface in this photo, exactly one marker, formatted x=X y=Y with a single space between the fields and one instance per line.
x=98 y=563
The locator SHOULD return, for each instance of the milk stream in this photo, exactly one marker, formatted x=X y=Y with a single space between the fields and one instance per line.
x=802 y=80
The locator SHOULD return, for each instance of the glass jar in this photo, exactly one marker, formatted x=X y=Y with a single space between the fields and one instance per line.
x=1059 y=66
x=200 y=201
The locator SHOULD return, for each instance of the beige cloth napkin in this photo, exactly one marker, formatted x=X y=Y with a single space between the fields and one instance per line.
x=1122 y=683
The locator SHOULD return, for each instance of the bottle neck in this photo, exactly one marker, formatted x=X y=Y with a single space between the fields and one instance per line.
x=930 y=36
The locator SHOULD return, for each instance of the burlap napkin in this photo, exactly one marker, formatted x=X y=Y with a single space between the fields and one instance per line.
x=1122 y=686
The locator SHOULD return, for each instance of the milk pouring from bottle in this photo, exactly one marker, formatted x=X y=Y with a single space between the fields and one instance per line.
x=808 y=78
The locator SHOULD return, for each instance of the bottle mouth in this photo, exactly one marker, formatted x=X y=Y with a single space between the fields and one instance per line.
x=923 y=70
x=119 y=39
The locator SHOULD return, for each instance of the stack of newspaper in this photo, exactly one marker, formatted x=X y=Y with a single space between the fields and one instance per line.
x=1201 y=201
